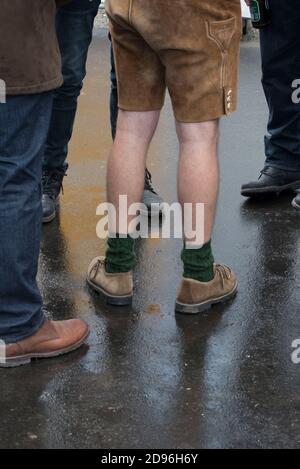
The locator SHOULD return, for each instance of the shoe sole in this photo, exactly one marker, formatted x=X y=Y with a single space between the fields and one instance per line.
x=50 y=218
x=26 y=359
x=295 y=205
x=53 y=215
x=270 y=190
x=110 y=299
x=182 y=308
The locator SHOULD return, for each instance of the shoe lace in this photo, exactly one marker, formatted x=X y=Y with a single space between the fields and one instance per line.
x=98 y=264
x=53 y=183
x=265 y=172
x=224 y=273
x=148 y=182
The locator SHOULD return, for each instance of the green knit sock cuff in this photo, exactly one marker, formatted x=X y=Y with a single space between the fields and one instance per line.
x=120 y=255
x=198 y=263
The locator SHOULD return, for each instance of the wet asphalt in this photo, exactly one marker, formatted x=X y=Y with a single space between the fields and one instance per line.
x=148 y=379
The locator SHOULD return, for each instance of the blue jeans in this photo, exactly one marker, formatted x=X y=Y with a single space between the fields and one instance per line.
x=24 y=123
x=280 y=47
x=74 y=26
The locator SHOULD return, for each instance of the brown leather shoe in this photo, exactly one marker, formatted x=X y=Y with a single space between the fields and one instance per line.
x=194 y=297
x=116 y=289
x=52 y=339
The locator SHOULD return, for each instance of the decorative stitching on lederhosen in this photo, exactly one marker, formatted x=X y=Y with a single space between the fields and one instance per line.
x=130 y=12
x=222 y=32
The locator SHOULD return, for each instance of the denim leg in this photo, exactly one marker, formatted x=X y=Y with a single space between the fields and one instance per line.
x=24 y=122
x=74 y=25
x=113 y=96
x=280 y=47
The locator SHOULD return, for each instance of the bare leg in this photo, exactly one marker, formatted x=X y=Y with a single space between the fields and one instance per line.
x=127 y=161
x=204 y=283
x=198 y=175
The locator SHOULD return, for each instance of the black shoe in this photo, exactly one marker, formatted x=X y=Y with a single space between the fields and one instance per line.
x=272 y=181
x=151 y=199
x=296 y=201
x=52 y=186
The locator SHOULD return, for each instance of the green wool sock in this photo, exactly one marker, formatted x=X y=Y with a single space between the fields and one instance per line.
x=120 y=256
x=198 y=263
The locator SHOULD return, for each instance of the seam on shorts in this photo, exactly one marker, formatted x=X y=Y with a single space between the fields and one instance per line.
x=210 y=36
x=220 y=50
x=223 y=50
x=130 y=12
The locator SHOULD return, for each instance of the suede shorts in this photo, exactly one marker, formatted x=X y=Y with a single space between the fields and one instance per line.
x=190 y=47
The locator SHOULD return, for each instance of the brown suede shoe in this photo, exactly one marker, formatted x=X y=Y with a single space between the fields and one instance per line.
x=194 y=297
x=116 y=289
x=52 y=339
